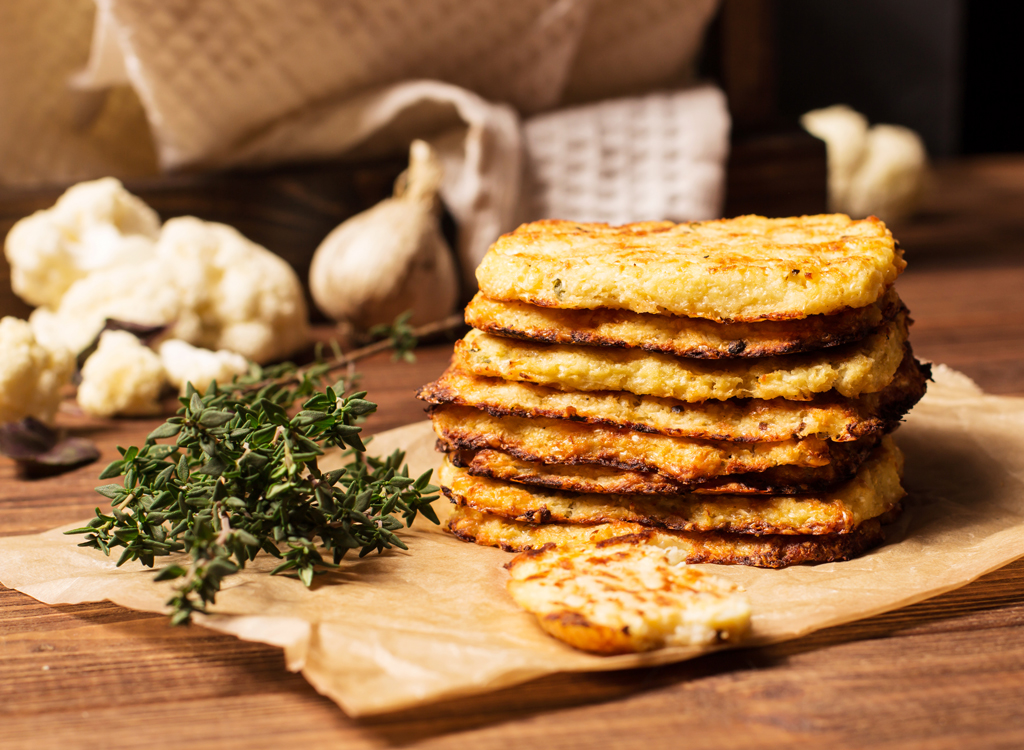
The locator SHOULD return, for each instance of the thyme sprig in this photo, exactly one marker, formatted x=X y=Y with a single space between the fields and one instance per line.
x=242 y=477
x=402 y=336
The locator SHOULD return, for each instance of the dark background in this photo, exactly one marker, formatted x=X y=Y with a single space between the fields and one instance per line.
x=953 y=70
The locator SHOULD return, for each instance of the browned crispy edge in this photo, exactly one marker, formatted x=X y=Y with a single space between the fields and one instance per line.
x=842 y=454
x=778 y=480
x=543 y=515
x=777 y=550
x=892 y=405
x=754 y=528
x=450 y=445
x=794 y=335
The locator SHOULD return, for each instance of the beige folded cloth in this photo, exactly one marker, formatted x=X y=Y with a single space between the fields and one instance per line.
x=233 y=82
x=49 y=131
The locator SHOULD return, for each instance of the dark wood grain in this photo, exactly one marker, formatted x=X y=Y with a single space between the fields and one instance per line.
x=748 y=62
x=776 y=173
x=945 y=673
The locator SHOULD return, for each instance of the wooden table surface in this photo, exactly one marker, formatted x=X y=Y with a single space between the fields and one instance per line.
x=946 y=673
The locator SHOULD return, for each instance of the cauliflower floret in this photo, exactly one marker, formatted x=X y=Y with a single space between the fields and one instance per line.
x=236 y=294
x=890 y=181
x=879 y=170
x=123 y=376
x=845 y=133
x=185 y=363
x=31 y=375
x=94 y=225
x=46 y=328
x=217 y=289
x=142 y=293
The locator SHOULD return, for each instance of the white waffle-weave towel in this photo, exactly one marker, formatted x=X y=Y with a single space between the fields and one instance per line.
x=660 y=156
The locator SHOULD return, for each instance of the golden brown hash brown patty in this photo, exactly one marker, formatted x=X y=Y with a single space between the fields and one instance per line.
x=777 y=480
x=866 y=366
x=827 y=415
x=619 y=597
x=682 y=337
x=767 y=551
x=745 y=269
x=874 y=490
x=685 y=460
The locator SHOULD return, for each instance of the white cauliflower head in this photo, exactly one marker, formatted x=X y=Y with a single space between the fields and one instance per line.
x=122 y=377
x=891 y=179
x=845 y=132
x=185 y=363
x=94 y=225
x=236 y=294
x=142 y=293
x=31 y=376
x=879 y=170
x=214 y=287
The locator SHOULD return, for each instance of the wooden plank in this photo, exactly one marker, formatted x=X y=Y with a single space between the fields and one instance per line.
x=970 y=215
x=776 y=173
x=970 y=318
x=748 y=62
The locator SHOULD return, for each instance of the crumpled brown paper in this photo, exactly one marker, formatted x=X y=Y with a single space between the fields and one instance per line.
x=389 y=632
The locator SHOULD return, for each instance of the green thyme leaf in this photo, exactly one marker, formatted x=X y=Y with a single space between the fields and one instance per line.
x=166 y=430
x=112 y=491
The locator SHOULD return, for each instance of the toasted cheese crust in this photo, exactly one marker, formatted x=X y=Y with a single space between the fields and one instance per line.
x=866 y=366
x=619 y=597
x=745 y=269
x=874 y=491
x=761 y=551
x=681 y=337
x=776 y=480
x=828 y=415
x=685 y=460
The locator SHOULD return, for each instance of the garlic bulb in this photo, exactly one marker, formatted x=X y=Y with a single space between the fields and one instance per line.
x=390 y=258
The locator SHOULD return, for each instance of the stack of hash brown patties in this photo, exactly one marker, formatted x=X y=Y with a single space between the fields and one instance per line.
x=726 y=388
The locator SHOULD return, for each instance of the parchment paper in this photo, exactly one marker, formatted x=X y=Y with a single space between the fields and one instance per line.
x=389 y=632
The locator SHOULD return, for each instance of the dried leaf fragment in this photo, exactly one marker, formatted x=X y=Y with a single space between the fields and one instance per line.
x=40 y=450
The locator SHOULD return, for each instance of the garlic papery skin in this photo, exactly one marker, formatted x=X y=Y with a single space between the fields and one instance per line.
x=390 y=258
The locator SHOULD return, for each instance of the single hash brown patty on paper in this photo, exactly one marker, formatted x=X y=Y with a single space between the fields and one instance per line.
x=618 y=597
